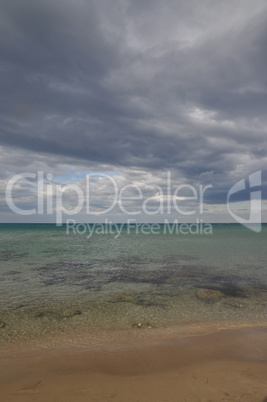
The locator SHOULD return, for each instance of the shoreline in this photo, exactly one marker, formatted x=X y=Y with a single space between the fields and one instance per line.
x=224 y=364
x=124 y=337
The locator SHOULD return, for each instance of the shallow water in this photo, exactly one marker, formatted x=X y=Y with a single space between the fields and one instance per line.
x=53 y=282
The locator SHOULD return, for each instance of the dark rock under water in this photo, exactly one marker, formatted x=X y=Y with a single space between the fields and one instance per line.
x=169 y=272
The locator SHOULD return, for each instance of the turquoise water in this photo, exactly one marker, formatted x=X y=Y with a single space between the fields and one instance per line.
x=53 y=282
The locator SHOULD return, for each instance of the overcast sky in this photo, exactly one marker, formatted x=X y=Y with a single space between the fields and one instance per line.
x=138 y=90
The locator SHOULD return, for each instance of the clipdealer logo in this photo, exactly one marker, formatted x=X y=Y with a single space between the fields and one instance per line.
x=167 y=200
x=254 y=221
x=130 y=199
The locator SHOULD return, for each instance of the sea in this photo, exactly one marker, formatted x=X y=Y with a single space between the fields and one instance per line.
x=55 y=281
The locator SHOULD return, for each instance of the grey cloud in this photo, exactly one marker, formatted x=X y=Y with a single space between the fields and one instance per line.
x=119 y=85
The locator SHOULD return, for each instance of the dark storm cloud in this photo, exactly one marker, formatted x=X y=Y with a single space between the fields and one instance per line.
x=152 y=85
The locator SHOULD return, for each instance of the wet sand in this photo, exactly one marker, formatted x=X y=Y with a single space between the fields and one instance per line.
x=228 y=365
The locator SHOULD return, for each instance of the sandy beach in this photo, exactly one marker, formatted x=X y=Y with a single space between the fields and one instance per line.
x=227 y=365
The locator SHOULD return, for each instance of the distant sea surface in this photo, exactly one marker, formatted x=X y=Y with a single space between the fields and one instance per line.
x=57 y=283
